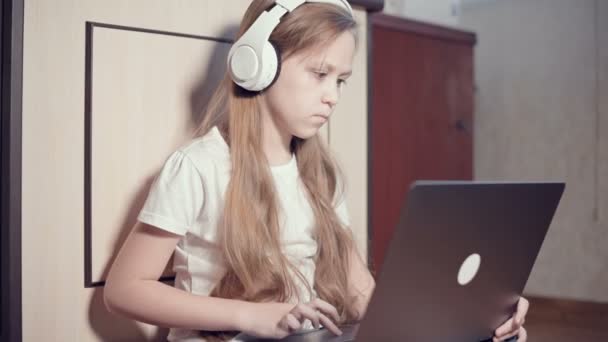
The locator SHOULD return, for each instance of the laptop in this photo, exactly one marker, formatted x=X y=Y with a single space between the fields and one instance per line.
x=457 y=263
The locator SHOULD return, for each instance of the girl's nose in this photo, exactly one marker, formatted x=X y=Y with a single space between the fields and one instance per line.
x=331 y=95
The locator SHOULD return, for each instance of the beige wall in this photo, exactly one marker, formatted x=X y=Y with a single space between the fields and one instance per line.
x=542 y=114
x=142 y=109
x=348 y=138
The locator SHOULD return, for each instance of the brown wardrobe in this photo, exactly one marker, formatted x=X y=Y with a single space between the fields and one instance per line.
x=421 y=115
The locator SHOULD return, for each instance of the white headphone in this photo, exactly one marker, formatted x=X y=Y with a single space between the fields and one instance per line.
x=252 y=60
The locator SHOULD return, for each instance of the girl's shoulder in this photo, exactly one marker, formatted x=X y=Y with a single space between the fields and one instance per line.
x=207 y=151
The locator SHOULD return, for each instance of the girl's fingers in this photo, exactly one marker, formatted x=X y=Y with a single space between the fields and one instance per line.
x=329 y=325
x=318 y=312
x=515 y=322
x=304 y=311
x=507 y=336
x=522 y=310
x=523 y=335
x=509 y=326
x=292 y=323
x=506 y=328
x=326 y=308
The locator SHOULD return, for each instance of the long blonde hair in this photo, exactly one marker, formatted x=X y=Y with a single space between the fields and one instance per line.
x=249 y=233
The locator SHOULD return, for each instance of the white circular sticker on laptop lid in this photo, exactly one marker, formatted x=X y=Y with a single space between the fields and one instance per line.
x=469 y=269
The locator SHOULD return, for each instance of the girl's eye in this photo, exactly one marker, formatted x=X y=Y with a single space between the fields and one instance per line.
x=320 y=74
x=341 y=82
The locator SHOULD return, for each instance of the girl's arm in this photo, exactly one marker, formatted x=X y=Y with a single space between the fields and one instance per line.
x=361 y=282
x=132 y=288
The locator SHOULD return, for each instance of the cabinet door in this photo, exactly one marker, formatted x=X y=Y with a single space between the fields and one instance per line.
x=421 y=116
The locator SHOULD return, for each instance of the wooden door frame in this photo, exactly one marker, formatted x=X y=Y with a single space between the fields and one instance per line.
x=11 y=38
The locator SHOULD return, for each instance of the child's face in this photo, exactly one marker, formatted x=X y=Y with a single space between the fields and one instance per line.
x=309 y=87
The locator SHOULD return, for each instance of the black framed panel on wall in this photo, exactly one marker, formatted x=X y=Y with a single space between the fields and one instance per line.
x=11 y=38
x=106 y=106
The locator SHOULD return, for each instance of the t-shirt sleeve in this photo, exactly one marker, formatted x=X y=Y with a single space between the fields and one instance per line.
x=176 y=196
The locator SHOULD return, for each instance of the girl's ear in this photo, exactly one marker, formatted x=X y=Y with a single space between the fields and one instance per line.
x=279 y=63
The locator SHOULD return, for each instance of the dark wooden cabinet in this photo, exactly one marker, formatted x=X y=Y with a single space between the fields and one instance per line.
x=421 y=115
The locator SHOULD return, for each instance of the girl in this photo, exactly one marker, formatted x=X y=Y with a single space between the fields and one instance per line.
x=253 y=208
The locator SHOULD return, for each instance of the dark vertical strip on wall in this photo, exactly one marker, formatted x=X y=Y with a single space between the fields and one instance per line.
x=10 y=174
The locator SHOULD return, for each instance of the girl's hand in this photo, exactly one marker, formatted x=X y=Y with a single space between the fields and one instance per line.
x=278 y=320
x=514 y=326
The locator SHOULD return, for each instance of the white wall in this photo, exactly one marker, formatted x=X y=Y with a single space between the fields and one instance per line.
x=442 y=12
x=542 y=114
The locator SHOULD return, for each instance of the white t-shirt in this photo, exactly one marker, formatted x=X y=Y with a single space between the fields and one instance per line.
x=187 y=198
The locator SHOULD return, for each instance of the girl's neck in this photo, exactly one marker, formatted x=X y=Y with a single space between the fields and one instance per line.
x=276 y=144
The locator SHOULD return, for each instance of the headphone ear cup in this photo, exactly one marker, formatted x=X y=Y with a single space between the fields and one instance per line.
x=269 y=68
x=243 y=64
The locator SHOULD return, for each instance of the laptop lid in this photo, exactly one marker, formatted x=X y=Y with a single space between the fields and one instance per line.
x=424 y=293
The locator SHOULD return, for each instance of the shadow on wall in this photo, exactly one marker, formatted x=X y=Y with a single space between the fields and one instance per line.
x=111 y=327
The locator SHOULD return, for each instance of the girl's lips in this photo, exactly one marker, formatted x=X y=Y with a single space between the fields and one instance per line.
x=320 y=118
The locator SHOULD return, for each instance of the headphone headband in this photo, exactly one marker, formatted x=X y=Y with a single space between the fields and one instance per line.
x=290 y=5
x=252 y=61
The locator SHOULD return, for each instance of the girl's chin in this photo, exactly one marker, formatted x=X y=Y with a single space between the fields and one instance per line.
x=306 y=133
